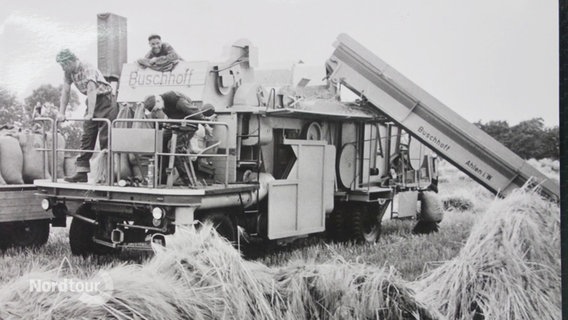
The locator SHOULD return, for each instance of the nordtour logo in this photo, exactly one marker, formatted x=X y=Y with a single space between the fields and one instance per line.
x=94 y=291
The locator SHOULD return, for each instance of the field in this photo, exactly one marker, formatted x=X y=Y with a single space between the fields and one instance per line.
x=492 y=258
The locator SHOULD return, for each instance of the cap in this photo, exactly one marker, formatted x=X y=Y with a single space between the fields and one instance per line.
x=65 y=55
x=150 y=102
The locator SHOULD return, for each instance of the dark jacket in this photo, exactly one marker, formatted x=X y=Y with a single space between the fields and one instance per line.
x=178 y=106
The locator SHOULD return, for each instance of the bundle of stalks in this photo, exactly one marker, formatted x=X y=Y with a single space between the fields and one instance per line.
x=199 y=276
x=509 y=267
x=207 y=263
x=342 y=290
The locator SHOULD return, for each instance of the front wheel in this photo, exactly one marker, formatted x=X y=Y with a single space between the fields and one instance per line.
x=223 y=225
x=81 y=235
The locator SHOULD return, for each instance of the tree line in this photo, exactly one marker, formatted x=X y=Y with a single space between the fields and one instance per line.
x=528 y=139
x=42 y=102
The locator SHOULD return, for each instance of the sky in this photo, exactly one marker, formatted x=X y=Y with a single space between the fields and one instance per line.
x=486 y=60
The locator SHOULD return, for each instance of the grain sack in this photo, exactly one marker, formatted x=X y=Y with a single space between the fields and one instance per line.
x=431 y=208
x=60 y=155
x=122 y=166
x=33 y=164
x=11 y=160
x=99 y=167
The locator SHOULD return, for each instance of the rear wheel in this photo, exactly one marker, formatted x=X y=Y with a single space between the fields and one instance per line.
x=81 y=235
x=336 y=224
x=364 y=225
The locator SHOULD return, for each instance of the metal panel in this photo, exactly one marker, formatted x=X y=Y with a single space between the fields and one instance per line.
x=311 y=190
x=21 y=205
x=282 y=208
x=136 y=140
x=297 y=206
x=440 y=128
x=188 y=78
x=407 y=204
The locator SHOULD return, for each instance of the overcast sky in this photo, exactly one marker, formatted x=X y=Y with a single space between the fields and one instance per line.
x=487 y=60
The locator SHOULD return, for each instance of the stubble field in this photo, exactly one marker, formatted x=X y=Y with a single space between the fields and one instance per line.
x=492 y=258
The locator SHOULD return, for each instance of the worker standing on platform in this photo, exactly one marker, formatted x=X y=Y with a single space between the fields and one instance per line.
x=90 y=82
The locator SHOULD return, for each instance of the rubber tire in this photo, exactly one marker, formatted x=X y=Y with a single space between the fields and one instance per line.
x=81 y=236
x=336 y=225
x=5 y=237
x=30 y=233
x=364 y=226
x=223 y=225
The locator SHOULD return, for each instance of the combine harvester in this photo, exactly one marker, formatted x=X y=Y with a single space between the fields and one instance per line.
x=286 y=159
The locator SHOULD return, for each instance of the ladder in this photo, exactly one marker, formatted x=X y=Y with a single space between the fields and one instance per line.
x=254 y=159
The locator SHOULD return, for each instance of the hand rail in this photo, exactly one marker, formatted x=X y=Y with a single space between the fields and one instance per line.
x=157 y=153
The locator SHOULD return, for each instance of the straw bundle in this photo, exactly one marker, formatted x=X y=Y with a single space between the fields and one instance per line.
x=200 y=276
x=343 y=290
x=509 y=267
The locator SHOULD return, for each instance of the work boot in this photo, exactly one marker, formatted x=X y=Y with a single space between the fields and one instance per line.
x=78 y=177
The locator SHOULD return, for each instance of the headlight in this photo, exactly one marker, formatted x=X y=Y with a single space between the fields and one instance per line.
x=45 y=204
x=157 y=213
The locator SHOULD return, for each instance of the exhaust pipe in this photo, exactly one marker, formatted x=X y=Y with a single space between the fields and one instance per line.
x=158 y=239
x=117 y=236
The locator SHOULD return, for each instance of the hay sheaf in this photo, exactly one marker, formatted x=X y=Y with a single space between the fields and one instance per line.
x=200 y=276
x=342 y=290
x=509 y=268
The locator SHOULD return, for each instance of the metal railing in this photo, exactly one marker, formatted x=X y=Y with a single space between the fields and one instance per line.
x=157 y=153
x=54 y=124
x=54 y=145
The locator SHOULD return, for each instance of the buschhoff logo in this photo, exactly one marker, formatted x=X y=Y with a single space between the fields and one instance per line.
x=140 y=78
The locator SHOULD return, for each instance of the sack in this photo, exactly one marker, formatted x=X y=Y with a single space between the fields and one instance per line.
x=11 y=160
x=431 y=209
x=122 y=166
x=125 y=111
x=99 y=167
x=33 y=165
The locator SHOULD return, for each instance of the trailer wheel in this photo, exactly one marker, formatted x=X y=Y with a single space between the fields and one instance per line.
x=30 y=233
x=223 y=225
x=364 y=224
x=81 y=235
x=4 y=235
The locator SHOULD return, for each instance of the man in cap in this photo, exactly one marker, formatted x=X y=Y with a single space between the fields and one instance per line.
x=161 y=57
x=90 y=82
x=175 y=105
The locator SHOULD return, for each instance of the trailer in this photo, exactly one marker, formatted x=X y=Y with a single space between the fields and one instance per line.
x=23 y=223
x=285 y=158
